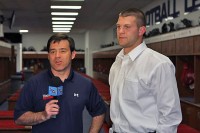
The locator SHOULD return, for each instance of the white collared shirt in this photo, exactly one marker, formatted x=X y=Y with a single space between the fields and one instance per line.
x=144 y=94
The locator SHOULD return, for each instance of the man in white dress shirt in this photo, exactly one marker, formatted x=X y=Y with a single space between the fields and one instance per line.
x=144 y=94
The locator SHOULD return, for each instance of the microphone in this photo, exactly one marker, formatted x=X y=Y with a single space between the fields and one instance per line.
x=55 y=88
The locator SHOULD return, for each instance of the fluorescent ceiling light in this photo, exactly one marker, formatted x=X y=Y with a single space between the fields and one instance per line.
x=56 y=22
x=65 y=13
x=67 y=0
x=185 y=13
x=62 y=26
x=65 y=7
x=54 y=18
x=23 y=31
x=67 y=31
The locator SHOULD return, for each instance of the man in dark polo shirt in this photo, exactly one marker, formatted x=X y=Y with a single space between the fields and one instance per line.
x=37 y=108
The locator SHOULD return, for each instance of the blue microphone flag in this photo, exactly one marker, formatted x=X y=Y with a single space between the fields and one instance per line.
x=55 y=91
x=60 y=90
x=52 y=91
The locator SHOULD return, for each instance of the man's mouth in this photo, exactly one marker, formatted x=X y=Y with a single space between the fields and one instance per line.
x=58 y=62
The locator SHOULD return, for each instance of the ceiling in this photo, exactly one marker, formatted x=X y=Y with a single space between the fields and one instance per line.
x=35 y=15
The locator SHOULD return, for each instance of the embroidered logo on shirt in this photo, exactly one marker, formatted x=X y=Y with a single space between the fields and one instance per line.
x=76 y=95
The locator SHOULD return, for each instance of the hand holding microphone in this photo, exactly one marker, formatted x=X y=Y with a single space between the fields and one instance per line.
x=55 y=90
x=51 y=109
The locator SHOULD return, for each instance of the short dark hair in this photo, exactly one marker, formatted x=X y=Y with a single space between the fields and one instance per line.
x=141 y=19
x=61 y=36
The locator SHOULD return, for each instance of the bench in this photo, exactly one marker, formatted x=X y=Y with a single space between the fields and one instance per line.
x=6 y=114
x=9 y=126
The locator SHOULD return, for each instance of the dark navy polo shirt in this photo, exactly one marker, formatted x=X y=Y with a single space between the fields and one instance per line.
x=78 y=93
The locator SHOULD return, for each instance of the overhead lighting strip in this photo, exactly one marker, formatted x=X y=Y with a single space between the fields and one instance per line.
x=62 y=26
x=65 y=13
x=65 y=7
x=67 y=0
x=23 y=31
x=55 y=18
x=64 y=23
x=67 y=31
x=59 y=22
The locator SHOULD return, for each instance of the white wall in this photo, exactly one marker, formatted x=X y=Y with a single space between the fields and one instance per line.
x=1 y=30
x=19 y=57
x=110 y=35
x=92 y=42
x=79 y=40
x=96 y=39
x=38 y=41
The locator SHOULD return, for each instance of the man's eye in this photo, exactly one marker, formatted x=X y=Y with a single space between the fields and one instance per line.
x=63 y=51
x=52 y=52
x=126 y=27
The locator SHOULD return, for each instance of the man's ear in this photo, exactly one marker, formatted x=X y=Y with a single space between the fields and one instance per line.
x=142 y=30
x=73 y=54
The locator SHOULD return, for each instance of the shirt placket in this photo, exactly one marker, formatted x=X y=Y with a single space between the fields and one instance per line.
x=120 y=84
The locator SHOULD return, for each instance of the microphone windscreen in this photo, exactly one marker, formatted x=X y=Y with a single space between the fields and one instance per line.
x=56 y=81
x=55 y=88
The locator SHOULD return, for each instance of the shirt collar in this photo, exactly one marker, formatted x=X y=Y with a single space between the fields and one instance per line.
x=70 y=77
x=133 y=54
